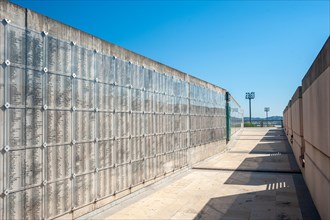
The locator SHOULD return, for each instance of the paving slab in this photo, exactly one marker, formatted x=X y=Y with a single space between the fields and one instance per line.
x=250 y=181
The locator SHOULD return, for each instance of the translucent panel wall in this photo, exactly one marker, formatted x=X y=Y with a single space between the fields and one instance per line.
x=236 y=116
x=207 y=115
x=79 y=126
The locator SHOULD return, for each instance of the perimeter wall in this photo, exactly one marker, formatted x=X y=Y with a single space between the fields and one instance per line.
x=84 y=122
x=307 y=125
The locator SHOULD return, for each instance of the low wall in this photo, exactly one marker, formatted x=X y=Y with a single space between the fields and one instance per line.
x=84 y=122
x=311 y=129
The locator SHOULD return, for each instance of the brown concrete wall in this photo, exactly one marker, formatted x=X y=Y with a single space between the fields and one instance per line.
x=309 y=113
x=289 y=133
x=298 y=145
x=316 y=121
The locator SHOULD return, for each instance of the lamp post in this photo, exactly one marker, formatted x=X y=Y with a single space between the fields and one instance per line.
x=249 y=96
x=267 y=109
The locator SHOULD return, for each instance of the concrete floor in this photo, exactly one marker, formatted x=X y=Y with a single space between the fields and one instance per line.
x=257 y=178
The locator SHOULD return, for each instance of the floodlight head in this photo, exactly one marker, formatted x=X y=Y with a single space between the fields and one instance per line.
x=249 y=95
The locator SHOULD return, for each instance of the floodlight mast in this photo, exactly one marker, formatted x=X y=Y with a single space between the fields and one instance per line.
x=249 y=96
x=267 y=109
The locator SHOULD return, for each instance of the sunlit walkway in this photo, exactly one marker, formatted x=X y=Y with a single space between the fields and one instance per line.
x=257 y=178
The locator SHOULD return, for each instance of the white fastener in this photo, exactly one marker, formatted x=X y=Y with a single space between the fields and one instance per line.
x=7 y=21
x=7 y=62
x=6 y=148
x=45 y=69
x=73 y=108
x=73 y=141
x=6 y=192
x=44 y=144
x=44 y=182
x=45 y=33
x=45 y=107
x=74 y=75
x=74 y=43
x=7 y=105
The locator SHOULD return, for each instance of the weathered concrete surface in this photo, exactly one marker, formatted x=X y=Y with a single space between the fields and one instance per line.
x=219 y=188
x=84 y=122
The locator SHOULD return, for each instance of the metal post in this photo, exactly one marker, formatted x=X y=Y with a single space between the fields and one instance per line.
x=228 y=128
x=267 y=109
x=250 y=109
x=249 y=96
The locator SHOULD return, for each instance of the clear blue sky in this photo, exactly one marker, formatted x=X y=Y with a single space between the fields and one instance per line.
x=261 y=46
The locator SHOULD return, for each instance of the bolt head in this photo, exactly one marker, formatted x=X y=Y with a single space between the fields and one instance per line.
x=6 y=192
x=7 y=105
x=6 y=148
x=7 y=21
x=7 y=62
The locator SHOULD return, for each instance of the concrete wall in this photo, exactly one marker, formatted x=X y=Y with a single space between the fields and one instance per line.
x=84 y=122
x=298 y=143
x=311 y=129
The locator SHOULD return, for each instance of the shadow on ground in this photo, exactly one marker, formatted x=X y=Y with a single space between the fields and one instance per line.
x=285 y=195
